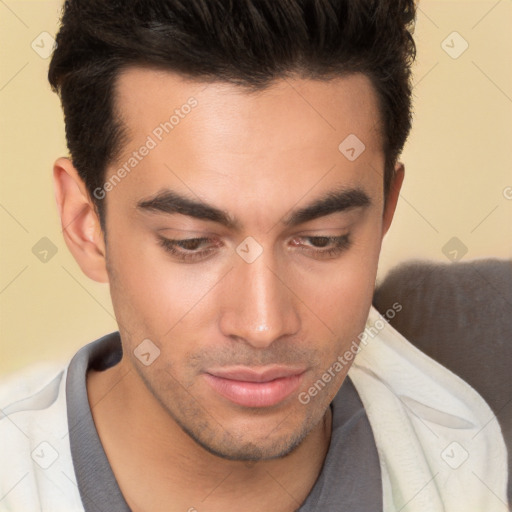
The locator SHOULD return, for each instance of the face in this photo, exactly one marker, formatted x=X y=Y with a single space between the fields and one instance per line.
x=243 y=243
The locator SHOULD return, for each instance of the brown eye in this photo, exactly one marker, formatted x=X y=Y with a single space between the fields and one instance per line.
x=320 y=241
x=189 y=250
x=191 y=244
x=322 y=247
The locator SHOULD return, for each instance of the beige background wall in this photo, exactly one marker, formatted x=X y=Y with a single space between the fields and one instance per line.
x=458 y=162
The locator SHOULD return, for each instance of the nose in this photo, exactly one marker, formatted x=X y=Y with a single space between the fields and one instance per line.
x=259 y=306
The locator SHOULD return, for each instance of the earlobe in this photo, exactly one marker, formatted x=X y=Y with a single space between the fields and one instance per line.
x=393 y=195
x=80 y=223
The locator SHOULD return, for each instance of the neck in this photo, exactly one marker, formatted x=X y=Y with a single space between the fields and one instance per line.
x=159 y=467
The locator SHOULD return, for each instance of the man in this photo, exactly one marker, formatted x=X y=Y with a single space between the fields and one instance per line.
x=234 y=168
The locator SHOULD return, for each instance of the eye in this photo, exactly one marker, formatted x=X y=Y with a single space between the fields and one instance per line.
x=322 y=246
x=188 y=249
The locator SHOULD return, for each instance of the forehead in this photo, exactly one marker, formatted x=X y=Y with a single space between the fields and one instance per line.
x=145 y=96
x=218 y=138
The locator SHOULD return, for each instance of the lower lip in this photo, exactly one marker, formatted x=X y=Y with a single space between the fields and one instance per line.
x=255 y=394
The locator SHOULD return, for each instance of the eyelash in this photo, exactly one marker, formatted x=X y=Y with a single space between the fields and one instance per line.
x=341 y=243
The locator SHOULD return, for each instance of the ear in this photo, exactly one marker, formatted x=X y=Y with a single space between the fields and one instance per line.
x=80 y=223
x=392 y=199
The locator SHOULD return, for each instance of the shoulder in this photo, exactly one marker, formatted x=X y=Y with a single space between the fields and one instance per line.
x=36 y=470
x=427 y=422
x=26 y=382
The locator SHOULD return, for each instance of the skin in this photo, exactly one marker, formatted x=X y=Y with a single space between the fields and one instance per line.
x=173 y=442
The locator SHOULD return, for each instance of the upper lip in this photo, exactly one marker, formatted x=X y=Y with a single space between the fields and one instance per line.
x=253 y=374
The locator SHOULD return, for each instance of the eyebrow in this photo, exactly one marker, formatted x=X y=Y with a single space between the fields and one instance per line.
x=170 y=202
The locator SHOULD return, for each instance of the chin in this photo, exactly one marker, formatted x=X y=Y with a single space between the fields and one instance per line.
x=239 y=448
x=252 y=451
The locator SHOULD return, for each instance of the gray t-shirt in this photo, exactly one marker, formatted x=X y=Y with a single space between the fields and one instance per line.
x=350 y=479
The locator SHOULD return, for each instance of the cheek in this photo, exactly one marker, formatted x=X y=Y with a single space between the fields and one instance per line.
x=342 y=291
x=152 y=296
x=341 y=297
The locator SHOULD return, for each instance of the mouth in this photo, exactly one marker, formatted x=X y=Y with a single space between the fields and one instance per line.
x=255 y=387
